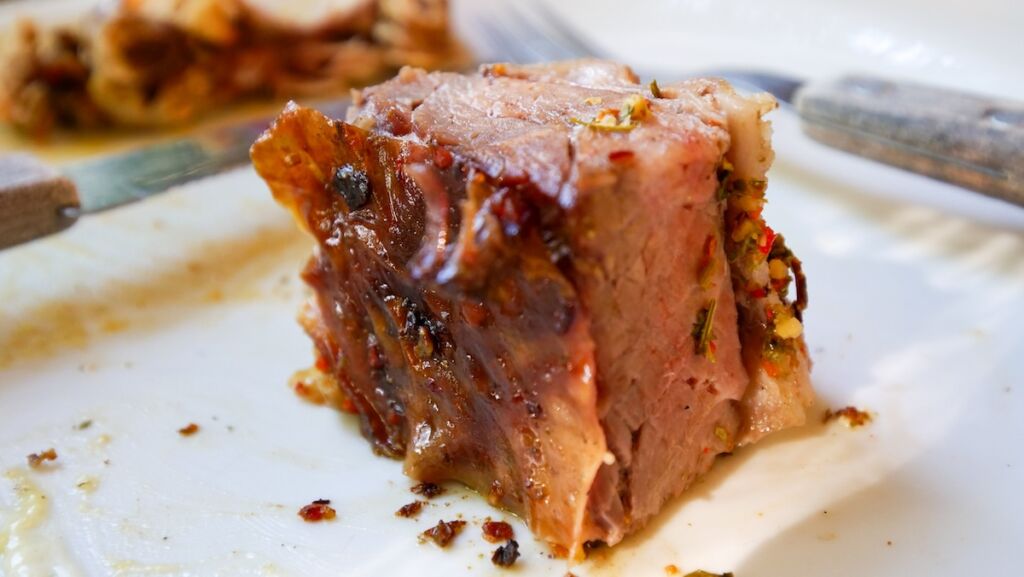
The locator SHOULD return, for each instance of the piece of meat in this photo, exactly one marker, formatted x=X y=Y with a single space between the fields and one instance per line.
x=158 y=62
x=547 y=284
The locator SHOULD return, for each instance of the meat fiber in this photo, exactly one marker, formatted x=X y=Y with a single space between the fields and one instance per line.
x=548 y=282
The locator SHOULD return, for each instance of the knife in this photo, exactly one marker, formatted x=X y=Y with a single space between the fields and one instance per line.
x=965 y=139
x=37 y=200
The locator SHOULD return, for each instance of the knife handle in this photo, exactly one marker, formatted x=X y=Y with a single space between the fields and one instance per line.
x=35 y=200
x=964 y=139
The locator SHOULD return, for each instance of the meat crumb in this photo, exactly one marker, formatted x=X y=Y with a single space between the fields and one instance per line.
x=319 y=510
x=443 y=533
x=853 y=416
x=506 y=555
x=558 y=552
x=36 y=460
x=497 y=531
x=428 y=490
x=188 y=430
x=410 y=510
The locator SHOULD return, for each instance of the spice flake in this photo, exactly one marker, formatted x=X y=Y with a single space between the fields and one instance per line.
x=655 y=89
x=853 y=416
x=319 y=510
x=443 y=533
x=188 y=430
x=634 y=109
x=428 y=490
x=702 y=331
x=36 y=460
x=497 y=531
x=410 y=510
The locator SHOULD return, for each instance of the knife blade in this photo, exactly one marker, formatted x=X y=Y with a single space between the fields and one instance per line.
x=37 y=200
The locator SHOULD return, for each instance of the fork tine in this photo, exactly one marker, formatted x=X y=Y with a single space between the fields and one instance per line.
x=504 y=46
x=509 y=43
x=541 y=38
x=565 y=35
x=523 y=35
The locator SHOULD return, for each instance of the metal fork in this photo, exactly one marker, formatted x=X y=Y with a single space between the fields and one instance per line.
x=539 y=35
x=969 y=140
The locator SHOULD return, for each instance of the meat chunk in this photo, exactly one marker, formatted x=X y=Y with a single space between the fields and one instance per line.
x=547 y=283
x=156 y=62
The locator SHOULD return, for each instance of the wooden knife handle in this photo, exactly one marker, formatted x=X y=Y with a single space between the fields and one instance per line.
x=968 y=140
x=35 y=200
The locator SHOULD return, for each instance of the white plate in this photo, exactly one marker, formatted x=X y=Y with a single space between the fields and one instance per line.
x=181 y=310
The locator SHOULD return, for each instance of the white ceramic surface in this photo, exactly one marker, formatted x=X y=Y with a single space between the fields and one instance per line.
x=181 y=310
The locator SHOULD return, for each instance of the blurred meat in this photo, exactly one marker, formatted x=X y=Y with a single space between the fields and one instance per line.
x=157 y=62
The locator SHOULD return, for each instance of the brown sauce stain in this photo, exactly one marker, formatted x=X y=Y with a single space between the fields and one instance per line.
x=212 y=273
x=69 y=146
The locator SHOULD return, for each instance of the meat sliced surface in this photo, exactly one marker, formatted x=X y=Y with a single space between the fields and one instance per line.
x=548 y=283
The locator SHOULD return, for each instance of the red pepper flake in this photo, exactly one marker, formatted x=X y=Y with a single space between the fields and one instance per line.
x=770 y=368
x=428 y=490
x=766 y=242
x=346 y=405
x=853 y=416
x=319 y=510
x=442 y=158
x=188 y=430
x=36 y=460
x=758 y=293
x=497 y=531
x=410 y=510
x=707 y=261
x=495 y=70
x=671 y=569
x=303 y=390
x=443 y=533
x=620 y=156
x=321 y=364
x=506 y=555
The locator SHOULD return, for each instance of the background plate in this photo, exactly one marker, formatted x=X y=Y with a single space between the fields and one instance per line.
x=182 y=310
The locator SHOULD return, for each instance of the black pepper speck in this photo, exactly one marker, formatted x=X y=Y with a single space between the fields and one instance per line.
x=352 y=185
x=506 y=555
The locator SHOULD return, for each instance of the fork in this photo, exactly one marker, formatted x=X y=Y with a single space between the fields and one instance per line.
x=968 y=140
